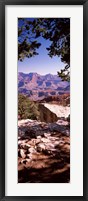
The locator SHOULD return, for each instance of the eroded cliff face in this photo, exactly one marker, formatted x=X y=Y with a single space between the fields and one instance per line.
x=38 y=87
x=43 y=151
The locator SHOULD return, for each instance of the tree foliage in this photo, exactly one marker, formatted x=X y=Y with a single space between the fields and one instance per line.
x=27 y=44
x=26 y=108
x=56 y=30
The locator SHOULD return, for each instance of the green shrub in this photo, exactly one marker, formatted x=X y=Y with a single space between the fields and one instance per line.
x=27 y=109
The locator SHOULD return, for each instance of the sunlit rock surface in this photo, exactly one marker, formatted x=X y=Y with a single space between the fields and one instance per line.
x=43 y=151
x=59 y=110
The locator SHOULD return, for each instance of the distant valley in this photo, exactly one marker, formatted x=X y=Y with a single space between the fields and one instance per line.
x=38 y=87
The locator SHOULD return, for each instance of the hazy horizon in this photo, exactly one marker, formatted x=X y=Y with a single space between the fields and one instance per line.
x=37 y=73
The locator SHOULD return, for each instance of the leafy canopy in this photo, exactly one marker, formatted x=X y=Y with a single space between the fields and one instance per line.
x=57 y=30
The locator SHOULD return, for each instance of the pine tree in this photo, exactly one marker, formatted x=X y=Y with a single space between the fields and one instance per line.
x=57 y=30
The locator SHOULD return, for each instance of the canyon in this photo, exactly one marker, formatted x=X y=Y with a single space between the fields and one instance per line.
x=43 y=137
x=38 y=87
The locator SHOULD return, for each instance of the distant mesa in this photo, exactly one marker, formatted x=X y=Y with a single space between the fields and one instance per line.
x=38 y=87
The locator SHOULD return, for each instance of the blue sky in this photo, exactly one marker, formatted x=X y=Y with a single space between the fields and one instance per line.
x=42 y=63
